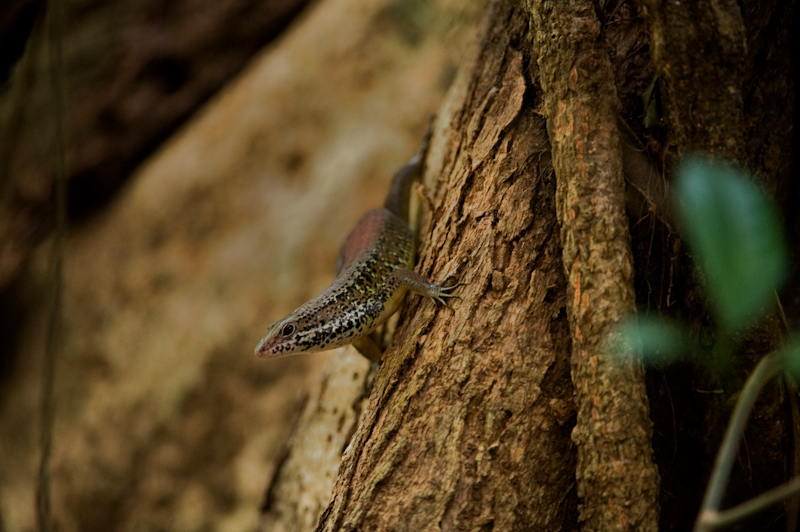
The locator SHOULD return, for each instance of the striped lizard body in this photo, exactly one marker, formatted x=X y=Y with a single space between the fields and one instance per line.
x=375 y=272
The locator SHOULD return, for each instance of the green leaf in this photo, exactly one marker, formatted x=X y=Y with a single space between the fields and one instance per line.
x=656 y=339
x=735 y=235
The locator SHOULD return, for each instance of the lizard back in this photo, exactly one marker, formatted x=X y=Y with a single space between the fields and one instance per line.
x=374 y=272
x=359 y=300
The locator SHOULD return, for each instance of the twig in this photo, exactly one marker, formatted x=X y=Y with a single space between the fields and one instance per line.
x=55 y=39
x=782 y=314
x=715 y=520
x=764 y=372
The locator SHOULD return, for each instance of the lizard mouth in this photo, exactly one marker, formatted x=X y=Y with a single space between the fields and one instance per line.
x=263 y=349
x=268 y=349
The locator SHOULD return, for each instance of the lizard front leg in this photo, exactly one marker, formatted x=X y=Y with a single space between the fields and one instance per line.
x=404 y=279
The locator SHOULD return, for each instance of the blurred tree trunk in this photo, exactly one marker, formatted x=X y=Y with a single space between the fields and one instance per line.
x=135 y=72
x=471 y=421
x=165 y=419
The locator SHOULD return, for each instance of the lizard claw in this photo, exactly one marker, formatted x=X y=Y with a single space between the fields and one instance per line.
x=444 y=292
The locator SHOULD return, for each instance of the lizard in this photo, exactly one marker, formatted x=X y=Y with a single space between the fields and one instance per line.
x=374 y=273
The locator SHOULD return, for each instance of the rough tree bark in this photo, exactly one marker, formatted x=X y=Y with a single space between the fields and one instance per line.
x=710 y=119
x=617 y=479
x=468 y=424
x=427 y=453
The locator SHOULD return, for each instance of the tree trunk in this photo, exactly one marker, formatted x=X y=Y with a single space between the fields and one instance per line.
x=134 y=72
x=468 y=423
x=453 y=433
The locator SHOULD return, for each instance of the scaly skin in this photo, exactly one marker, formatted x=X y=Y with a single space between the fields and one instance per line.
x=375 y=273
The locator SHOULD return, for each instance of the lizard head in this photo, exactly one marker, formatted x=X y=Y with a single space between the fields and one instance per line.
x=297 y=333
x=280 y=339
x=320 y=324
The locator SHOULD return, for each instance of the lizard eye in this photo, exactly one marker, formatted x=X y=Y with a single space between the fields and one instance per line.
x=288 y=330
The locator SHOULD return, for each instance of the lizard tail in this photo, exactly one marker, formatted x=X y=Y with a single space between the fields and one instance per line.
x=399 y=192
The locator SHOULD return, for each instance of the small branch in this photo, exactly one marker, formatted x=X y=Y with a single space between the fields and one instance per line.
x=782 y=314
x=713 y=520
x=767 y=369
x=53 y=340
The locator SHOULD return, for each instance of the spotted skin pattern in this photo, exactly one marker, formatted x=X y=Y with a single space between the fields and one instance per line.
x=375 y=272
